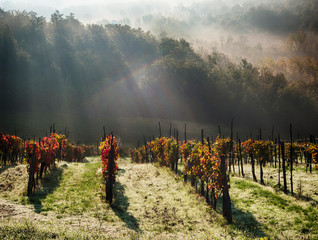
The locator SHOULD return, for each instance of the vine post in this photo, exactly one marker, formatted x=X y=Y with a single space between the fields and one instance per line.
x=177 y=154
x=202 y=181
x=279 y=155
x=227 y=208
x=240 y=156
x=291 y=159
x=109 y=155
x=110 y=177
x=284 y=166
x=31 y=173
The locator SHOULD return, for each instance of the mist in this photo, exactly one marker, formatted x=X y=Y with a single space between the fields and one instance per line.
x=128 y=64
x=241 y=29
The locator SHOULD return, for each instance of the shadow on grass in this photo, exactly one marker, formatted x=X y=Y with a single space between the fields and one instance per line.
x=49 y=183
x=121 y=171
x=120 y=206
x=295 y=195
x=308 y=199
x=243 y=221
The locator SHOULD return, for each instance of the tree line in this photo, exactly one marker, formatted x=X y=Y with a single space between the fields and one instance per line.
x=72 y=71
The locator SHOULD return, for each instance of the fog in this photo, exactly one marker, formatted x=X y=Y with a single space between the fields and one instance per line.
x=174 y=61
x=96 y=10
x=241 y=29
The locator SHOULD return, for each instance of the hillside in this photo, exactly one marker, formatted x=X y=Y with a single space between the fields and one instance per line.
x=150 y=203
x=84 y=77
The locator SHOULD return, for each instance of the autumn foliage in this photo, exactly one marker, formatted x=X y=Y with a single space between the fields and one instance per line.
x=105 y=149
x=201 y=160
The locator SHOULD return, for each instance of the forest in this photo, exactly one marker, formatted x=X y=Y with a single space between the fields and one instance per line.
x=85 y=76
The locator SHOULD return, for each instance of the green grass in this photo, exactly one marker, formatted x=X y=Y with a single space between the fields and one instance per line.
x=262 y=210
x=150 y=202
x=270 y=198
x=243 y=185
x=24 y=232
x=77 y=190
x=27 y=230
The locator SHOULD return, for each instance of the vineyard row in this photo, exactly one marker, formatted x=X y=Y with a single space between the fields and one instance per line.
x=202 y=160
x=40 y=156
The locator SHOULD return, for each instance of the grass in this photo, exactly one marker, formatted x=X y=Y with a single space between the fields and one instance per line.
x=31 y=230
x=149 y=203
x=278 y=215
x=78 y=190
x=305 y=183
x=270 y=198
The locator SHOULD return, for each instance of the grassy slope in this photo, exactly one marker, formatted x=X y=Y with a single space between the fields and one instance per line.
x=278 y=215
x=150 y=203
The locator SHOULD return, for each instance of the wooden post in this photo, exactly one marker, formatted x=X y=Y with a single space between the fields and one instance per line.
x=202 y=189
x=202 y=135
x=237 y=154
x=104 y=133
x=272 y=139
x=185 y=178
x=310 y=156
x=279 y=156
x=253 y=167
x=240 y=157
x=177 y=157
x=232 y=147
x=110 y=175
x=146 y=148
x=291 y=159
x=207 y=181
x=159 y=130
x=227 y=208
x=207 y=193
x=284 y=167
x=261 y=172
x=202 y=182
x=275 y=152
x=31 y=173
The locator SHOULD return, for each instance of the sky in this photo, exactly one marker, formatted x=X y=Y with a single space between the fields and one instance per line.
x=94 y=10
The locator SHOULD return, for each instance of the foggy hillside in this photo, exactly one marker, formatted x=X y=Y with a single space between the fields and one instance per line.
x=127 y=67
x=252 y=29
